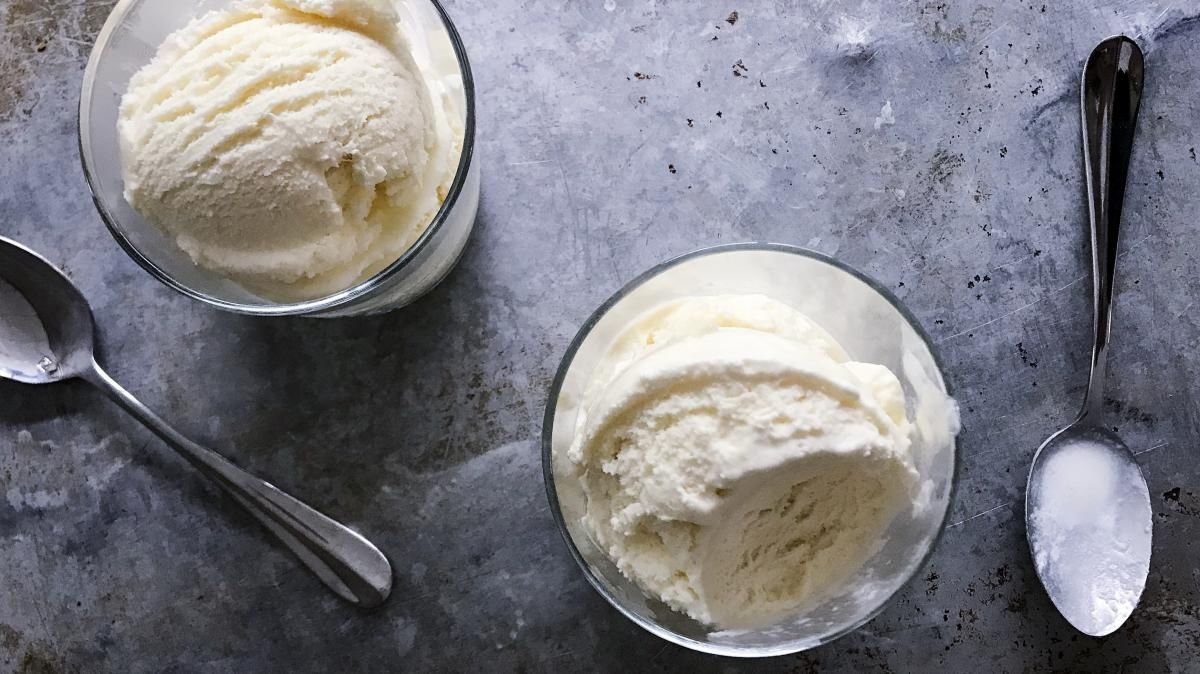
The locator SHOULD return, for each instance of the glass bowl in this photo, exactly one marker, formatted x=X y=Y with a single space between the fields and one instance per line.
x=873 y=327
x=129 y=39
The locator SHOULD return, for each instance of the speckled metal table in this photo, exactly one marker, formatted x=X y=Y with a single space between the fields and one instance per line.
x=933 y=144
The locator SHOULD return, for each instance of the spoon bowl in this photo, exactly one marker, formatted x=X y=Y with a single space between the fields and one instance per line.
x=46 y=336
x=1088 y=521
x=59 y=345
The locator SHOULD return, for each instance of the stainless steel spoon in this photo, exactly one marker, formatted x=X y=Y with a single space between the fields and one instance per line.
x=1087 y=508
x=46 y=334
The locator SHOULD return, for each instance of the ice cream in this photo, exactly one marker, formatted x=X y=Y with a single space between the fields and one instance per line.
x=292 y=145
x=736 y=463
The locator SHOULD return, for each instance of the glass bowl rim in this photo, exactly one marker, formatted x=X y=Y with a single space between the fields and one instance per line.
x=548 y=458
x=307 y=307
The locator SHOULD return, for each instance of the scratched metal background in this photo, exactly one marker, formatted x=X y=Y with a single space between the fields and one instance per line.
x=932 y=144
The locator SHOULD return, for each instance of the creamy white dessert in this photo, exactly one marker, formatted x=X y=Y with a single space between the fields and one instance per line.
x=736 y=463
x=294 y=146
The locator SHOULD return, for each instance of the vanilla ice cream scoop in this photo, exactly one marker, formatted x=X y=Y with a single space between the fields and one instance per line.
x=736 y=463
x=291 y=145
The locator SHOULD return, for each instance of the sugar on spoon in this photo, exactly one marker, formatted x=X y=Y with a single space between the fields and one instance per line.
x=46 y=335
x=1087 y=507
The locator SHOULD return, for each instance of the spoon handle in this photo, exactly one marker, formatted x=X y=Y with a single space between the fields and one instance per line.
x=345 y=561
x=1111 y=94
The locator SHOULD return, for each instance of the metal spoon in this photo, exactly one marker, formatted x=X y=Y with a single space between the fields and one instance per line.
x=46 y=333
x=1087 y=508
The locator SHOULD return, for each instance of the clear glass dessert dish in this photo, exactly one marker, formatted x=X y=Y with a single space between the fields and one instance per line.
x=130 y=38
x=873 y=327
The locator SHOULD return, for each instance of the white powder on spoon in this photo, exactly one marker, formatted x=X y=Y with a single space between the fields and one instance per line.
x=1091 y=532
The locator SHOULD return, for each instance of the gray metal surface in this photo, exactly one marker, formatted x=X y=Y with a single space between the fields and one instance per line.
x=935 y=147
